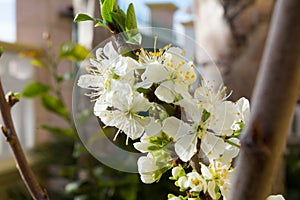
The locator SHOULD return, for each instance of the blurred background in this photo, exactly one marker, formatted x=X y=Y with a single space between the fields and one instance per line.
x=35 y=35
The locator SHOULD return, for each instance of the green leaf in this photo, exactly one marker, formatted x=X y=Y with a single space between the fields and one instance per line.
x=73 y=51
x=34 y=89
x=83 y=17
x=102 y=1
x=38 y=63
x=100 y=23
x=59 y=131
x=205 y=115
x=1 y=51
x=53 y=104
x=119 y=19
x=130 y=19
x=107 y=8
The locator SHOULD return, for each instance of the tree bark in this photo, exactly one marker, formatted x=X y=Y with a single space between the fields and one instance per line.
x=274 y=99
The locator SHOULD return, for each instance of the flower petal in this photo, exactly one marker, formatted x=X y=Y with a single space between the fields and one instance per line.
x=275 y=197
x=89 y=81
x=146 y=168
x=212 y=145
x=110 y=51
x=186 y=147
x=175 y=128
x=153 y=128
x=211 y=189
x=243 y=107
x=165 y=92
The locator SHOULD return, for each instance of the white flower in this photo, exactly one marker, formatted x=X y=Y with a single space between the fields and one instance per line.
x=208 y=97
x=183 y=135
x=107 y=66
x=275 y=197
x=122 y=109
x=230 y=152
x=183 y=182
x=196 y=182
x=172 y=73
x=92 y=82
x=243 y=109
x=186 y=137
x=212 y=145
x=222 y=118
x=147 y=169
x=217 y=175
x=176 y=171
x=153 y=128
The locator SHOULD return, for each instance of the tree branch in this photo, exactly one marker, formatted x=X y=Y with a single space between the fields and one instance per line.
x=274 y=100
x=8 y=130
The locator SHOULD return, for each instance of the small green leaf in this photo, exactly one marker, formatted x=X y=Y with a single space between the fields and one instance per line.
x=34 y=89
x=53 y=104
x=130 y=19
x=102 y=1
x=100 y=23
x=119 y=19
x=107 y=8
x=59 y=131
x=38 y=63
x=83 y=17
x=205 y=115
x=73 y=51
x=1 y=51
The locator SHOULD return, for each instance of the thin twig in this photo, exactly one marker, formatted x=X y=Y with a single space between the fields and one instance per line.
x=22 y=165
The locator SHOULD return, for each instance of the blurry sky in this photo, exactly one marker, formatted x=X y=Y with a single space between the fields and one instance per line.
x=143 y=13
x=7 y=21
x=8 y=15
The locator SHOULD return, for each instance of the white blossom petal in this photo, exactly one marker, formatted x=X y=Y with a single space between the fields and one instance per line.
x=175 y=128
x=243 y=108
x=275 y=197
x=153 y=128
x=89 y=81
x=186 y=147
x=147 y=168
x=165 y=92
x=212 y=145
x=110 y=51
x=211 y=186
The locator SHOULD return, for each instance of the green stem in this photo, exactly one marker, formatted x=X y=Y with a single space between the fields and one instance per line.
x=232 y=143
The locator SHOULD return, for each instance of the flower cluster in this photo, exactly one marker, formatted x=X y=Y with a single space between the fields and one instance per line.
x=155 y=98
x=214 y=181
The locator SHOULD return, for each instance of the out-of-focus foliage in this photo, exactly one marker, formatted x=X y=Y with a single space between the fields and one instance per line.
x=293 y=172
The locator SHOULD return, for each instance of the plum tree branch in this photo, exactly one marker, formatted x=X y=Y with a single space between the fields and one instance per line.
x=273 y=103
x=22 y=165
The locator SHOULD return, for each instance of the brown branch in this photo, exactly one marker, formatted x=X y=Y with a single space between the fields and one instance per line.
x=232 y=10
x=8 y=130
x=274 y=100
